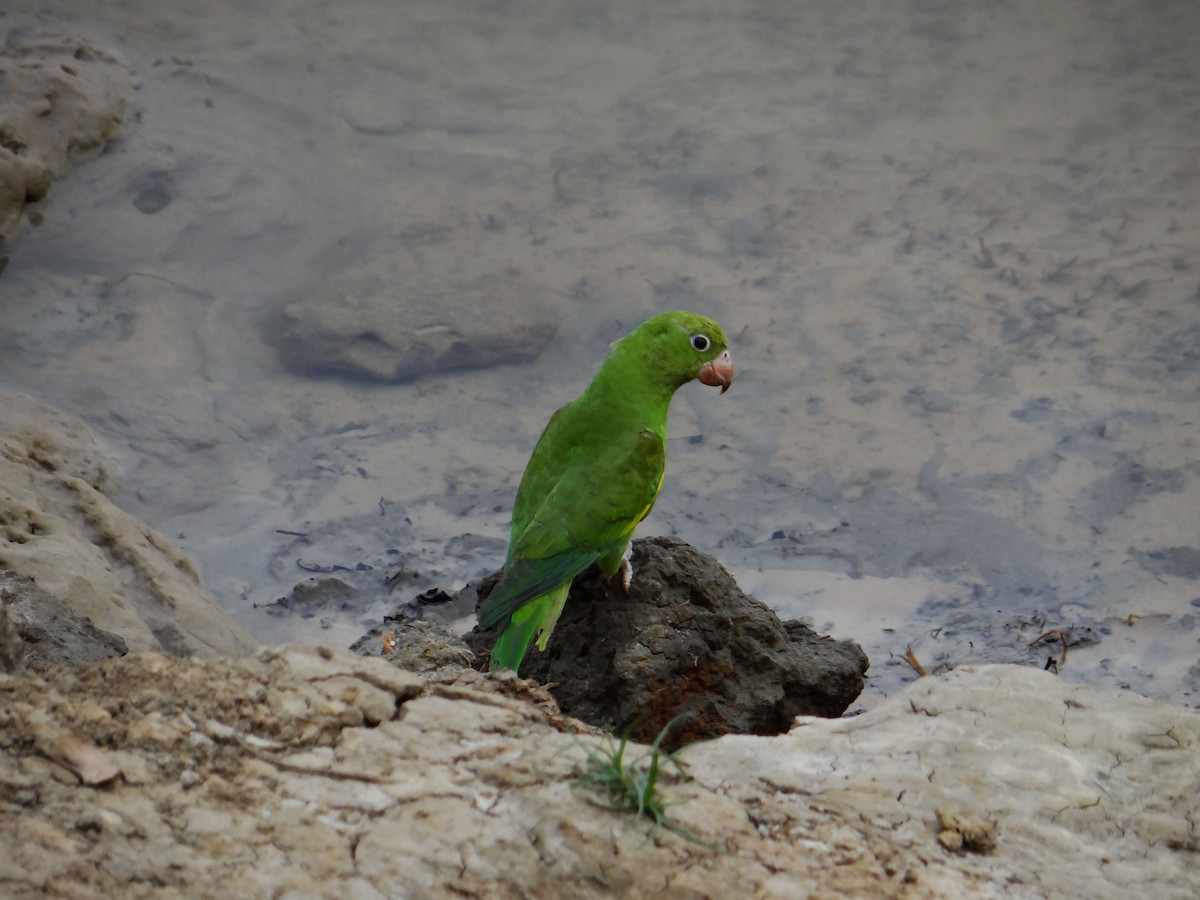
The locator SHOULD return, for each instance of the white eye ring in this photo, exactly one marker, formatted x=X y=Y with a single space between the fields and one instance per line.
x=700 y=342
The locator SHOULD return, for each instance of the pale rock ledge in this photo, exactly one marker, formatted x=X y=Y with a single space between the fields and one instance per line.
x=306 y=772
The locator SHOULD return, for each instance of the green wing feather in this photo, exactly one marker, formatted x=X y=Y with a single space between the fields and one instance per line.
x=582 y=495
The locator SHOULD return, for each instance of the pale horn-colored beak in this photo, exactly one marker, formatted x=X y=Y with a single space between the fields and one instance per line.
x=717 y=372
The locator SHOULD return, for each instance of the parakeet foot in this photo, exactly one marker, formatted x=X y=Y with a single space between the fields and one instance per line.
x=624 y=573
x=626 y=570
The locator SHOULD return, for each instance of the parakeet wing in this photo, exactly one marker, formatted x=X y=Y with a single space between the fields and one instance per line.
x=580 y=499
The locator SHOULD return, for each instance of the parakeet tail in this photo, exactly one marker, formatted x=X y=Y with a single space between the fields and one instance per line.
x=537 y=617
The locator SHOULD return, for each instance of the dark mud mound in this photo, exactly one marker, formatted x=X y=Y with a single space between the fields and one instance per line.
x=685 y=642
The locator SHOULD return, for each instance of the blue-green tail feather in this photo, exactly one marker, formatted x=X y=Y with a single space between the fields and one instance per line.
x=527 y=579
x=536 y=618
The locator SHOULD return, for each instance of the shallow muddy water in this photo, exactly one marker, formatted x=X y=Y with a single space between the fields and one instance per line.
x=956 y=248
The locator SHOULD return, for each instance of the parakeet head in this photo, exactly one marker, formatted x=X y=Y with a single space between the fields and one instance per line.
x=678 y=347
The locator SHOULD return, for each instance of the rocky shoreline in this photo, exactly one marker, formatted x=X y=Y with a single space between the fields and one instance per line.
x=302 y=771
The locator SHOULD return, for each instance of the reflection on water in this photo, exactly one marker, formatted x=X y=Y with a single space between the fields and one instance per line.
x=952 y=246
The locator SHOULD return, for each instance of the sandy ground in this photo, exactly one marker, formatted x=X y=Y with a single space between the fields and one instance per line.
x=956 y=246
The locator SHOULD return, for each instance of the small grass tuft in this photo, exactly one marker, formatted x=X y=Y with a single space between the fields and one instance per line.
x=632 y=787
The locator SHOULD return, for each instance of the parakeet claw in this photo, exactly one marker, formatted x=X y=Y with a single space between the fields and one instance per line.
x=624 y=573
x=626 y=569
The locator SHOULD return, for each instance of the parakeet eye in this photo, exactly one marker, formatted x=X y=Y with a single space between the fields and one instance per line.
x=700 y=342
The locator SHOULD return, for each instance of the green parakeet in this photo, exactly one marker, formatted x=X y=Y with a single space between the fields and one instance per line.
x=595 y=473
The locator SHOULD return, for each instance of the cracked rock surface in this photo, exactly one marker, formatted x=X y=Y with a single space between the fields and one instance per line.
x=1068 y=784
x=308 y=772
